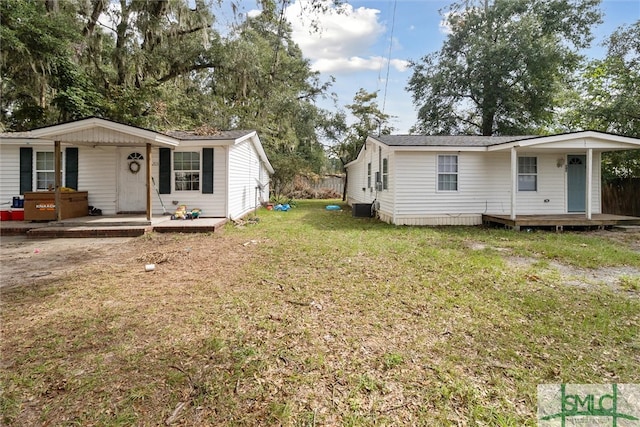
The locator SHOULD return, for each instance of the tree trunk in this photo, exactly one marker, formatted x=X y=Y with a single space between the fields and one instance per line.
x=487 y=123
x=344 y=189
x=120 y=50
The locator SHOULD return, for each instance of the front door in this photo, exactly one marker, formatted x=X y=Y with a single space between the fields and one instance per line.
x=576 y=183
x=132 y=190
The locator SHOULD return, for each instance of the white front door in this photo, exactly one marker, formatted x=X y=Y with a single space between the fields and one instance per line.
x=132 y=190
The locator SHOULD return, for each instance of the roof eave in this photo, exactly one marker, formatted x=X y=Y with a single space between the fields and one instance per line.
x=432 y=148
x=607 y=142
x=155 y=138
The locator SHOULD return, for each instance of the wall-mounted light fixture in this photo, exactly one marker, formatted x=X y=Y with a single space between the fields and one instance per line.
x=560 y=162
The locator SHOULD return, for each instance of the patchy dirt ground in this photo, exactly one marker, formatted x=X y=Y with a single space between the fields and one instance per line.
x=209 y=338
x=22 y=260
x=585 y=277
x=25 y=262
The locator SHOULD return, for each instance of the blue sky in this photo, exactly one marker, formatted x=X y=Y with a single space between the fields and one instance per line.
x=354 y=46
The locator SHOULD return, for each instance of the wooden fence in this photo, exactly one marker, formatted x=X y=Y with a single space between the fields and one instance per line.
x=317 y=187
x=330 y=182
x=621 y=197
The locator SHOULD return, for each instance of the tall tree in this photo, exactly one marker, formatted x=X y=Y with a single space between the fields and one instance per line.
x=608 y=99
x=38 y=68
x=268 y=85
x=147 y=56
x=162 y=64
x=63 y=60
x=348 y=140
x=501 y=65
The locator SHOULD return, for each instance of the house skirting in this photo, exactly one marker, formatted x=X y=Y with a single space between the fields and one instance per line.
x=432 y=220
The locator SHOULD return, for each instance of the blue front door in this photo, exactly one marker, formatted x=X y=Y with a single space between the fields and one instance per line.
x=576 y=183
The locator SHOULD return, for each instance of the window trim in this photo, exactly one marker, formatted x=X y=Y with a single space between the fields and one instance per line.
x=528 y=174
x=53 y=171
x=447 y=173
x=369 y=175
x=385 y=173
x=174 y=171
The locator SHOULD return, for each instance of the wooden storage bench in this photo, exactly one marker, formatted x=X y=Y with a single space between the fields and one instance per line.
x=41 y=205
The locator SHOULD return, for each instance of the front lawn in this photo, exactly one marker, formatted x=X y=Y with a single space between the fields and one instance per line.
x=313 y=317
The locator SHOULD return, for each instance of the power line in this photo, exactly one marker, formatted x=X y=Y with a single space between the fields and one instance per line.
x=386 y=81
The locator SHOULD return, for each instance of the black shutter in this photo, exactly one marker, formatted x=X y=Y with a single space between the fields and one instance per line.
x=71 y=168
x=26 y=169
x=207 y=170
x=165 y=171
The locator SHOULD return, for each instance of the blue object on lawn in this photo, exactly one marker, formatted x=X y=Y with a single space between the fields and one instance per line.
x=282 y=208
x=333 y=208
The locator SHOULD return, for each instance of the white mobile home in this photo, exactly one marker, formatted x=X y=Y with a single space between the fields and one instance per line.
x=126 y=169
x=454 y=180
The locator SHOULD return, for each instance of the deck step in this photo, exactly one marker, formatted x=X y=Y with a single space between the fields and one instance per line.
x=80 y=232
x=188 y=227
x=98 y=224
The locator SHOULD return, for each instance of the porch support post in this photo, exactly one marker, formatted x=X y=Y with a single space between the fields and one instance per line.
x=514 y=181
x=57 y=179
x=148 y=161
x=589 y=182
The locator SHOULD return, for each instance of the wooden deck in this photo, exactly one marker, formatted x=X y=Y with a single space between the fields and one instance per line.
x=109 y=226
x=559 y=222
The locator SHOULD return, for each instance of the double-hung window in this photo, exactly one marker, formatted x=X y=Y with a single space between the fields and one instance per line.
x=186 y=166
x=448 y=172
x=45 y=170
x=527 y=173
x=369 y=175
x=385 y=174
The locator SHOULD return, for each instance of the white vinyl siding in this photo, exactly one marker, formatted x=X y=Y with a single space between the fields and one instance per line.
x=484 y=187
x=417 y=190
x=98 y=170
x=360 y=176
x=357 y=189
x=596 y=201
x=550 y=195
x=10 y=169
x=245 y=171
x=96 y=175
x=212 y=205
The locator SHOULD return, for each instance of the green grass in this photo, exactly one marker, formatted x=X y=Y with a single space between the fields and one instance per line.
x=312 y=317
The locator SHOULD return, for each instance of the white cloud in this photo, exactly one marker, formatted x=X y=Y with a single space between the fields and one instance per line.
x=357 y=63
x=400 y=64
x=344 y=40
x=444 y=26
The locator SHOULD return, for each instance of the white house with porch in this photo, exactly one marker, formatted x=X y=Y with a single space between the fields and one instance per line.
x=455 y=180
x=127 y=169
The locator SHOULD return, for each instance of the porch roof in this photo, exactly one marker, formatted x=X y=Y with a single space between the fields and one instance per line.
x=600 y=141
x=94 y=131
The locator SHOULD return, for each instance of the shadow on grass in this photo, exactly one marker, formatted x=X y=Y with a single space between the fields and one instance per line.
x=314 y=213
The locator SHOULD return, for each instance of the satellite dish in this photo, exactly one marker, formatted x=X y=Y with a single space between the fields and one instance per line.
x=260 y=185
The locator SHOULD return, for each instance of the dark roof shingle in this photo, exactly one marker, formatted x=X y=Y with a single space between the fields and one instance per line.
x=220 y=135
x=447 y=140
